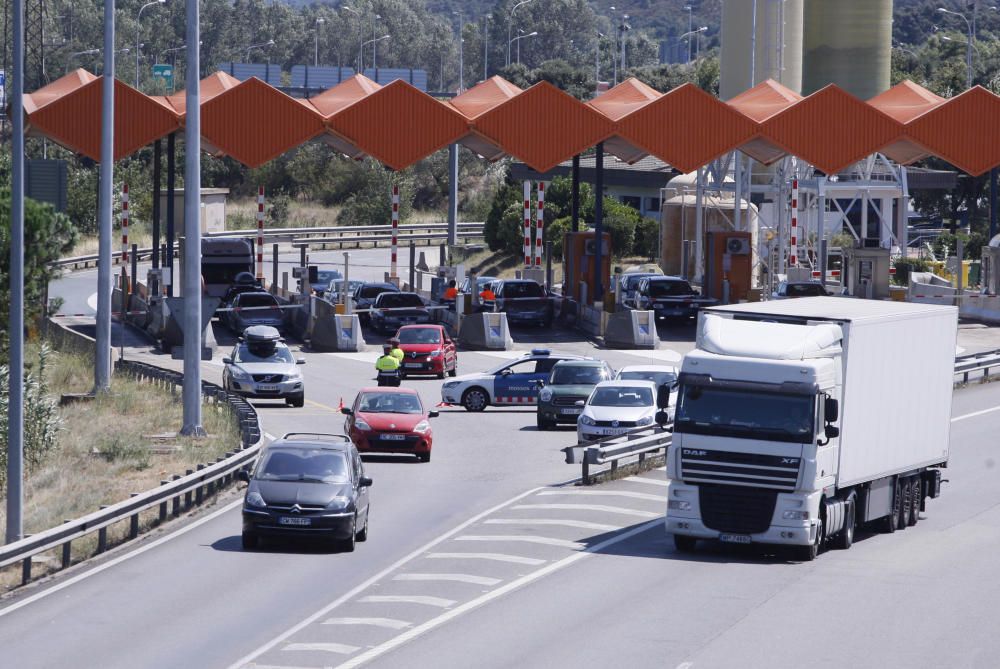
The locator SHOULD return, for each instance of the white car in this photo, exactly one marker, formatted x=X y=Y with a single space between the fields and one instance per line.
x=261 y=366
x=658 y=374
x=514 y=382
x=616 y=407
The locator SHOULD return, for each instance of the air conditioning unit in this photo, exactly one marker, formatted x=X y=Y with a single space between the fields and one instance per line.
x=738 y=246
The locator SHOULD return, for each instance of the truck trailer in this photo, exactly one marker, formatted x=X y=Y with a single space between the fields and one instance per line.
x=797 y=421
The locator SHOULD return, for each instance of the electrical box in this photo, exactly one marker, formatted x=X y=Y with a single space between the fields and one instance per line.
x=728 y=262
x=579 y=249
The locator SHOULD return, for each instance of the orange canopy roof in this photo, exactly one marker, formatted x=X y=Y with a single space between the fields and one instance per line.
x=336 y=99
x=964 y=130
x=209 y=87
x=618 y=103
x=904 y=102
x=475 y=102
x=759 y=104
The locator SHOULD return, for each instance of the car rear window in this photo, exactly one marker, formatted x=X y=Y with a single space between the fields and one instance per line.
x=805 y=289
x=373 y=291
x=669 y=288
x=522 y=289
x=257 y=300
x=397 y=300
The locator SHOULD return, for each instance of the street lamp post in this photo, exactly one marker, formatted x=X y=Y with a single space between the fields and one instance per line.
x=517 y=39
x=624 y=27
x=614 y=47
x=461 y=52
x=597 y=64
x=689 y=9
x=486 y=46
x=968 y=46
x=319 y=21
x=375 y=17
x=372 y=42
x=688 y=36
x=88 y=52
x=262 y=45
x=510 y=21
x=138 y=32
x=361 y=48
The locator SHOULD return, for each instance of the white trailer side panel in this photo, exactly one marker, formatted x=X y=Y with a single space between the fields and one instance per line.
x=896 y=411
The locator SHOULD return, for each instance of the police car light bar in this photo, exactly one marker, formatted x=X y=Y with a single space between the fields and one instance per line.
x=540 y=351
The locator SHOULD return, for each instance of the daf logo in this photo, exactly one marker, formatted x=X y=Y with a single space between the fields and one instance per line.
x=789 y=461
x=687 y=451
x=295 y=509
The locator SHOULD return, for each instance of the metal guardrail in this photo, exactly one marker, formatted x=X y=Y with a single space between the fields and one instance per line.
x=977 y=362
x=640 y=442
x=352 y=234
x=173 y=495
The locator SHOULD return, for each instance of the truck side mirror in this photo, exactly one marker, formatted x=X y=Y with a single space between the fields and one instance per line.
x=663 y=396
x=662 y=418
x=831 y=410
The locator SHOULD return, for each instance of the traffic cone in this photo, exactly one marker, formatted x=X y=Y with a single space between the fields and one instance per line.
x=341 y=406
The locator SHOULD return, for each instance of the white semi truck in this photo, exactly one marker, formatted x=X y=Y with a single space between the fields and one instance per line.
x=799 y=420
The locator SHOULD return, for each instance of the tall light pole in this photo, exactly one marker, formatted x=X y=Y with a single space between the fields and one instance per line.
x=372 y=42
x=361 y=38
x=688 y=35
x=597 y=64
x=517 y=39
x=689 y=9
x=375 y=17
x=624 y=27
x=461 y=52
x=88 y=52
x=138 y=31
x=614 y=47
x=510 y=21
x=262 y=45
x=968 y=46
x=486 y=46
x=319 y=21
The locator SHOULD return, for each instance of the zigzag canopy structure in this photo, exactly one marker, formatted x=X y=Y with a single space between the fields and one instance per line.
x=542 y=126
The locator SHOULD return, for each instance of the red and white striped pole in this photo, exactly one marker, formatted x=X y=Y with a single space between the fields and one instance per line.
x=527 y=224
x=793 y=251
x=540 y=225
x=124 y=225
x=395 y=227
x=260 y=232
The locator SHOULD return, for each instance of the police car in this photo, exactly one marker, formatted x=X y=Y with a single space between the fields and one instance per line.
x=515 y=382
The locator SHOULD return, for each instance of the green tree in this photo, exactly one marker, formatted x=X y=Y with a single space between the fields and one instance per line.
x=372 y=204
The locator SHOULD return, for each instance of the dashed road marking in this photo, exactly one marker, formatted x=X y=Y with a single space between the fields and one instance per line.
x=646 y=480
x=579 y=524
x=547 y=541
x=603 y=493
x=339 y=648
x=457 y=578
x=496 y=557
x=974 y=414
x=664 y=354
x=426 y=600
x=590 y=507
x=390 y=623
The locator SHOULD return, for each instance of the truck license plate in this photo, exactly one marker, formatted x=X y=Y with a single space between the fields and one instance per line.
x=292 y=520
x=734 y=538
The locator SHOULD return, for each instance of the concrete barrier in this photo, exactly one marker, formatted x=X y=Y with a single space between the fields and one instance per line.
x=631 y=329
x=166 y=323
x=485 y=331
x=330 y=331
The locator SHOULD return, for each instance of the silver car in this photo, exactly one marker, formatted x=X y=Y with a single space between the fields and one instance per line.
x=261 y=366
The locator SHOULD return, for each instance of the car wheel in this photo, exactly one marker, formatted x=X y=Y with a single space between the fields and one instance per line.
x=424 y=457
x=363 y=534
x=475 y=399
x=297 y=400
x=249 y=541
x=441 y=375
x=348 y=544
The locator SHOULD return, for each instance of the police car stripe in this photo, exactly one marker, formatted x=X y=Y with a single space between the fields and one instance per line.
x=516 y=400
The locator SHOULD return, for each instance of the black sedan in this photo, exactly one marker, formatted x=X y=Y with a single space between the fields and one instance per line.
x=391 y=311
x=365 y=294
x=249 y=309
x=307 y=485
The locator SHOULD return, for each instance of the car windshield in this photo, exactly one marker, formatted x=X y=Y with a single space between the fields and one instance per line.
x=325 y=276
x=420 y=336
x=399 y=300
x=583 y=375
x=657 y=377
x=750 y=414
x=804 y=289
x=305 y=464
x=632 y=282
x=669 y=288
x=388 y=402
x=371 y=292
x=247 y=353
x=522 y=289
x=257 y=300
x=620 y=396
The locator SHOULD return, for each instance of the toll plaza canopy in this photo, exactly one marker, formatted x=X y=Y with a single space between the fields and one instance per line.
x=542 y=126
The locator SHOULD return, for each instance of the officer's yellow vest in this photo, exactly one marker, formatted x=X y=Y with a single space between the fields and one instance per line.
x=387 y=363
x=398 y=354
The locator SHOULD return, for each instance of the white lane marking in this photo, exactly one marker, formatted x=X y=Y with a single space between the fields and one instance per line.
x=92 y=301
x=685 y=665
x=215 y=363
x=363 y=356
x=439 y=602
x=663 y=354
x=505 y=355
x=270 y=436
x=974 y=414
x=528 y=539
x=361 y=587
x=278 y=666
x=457 y=578
x=415 y=632
x=580 y=524
x=590 y=507
x=111 y=563
x=340 y=648
x=646 y=480
x=496 y=557
x=603 y=493
x=390 y=623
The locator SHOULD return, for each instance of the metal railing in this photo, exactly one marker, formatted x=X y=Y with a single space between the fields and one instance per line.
x=173 y=496
x=640 y=442
x=977 y=362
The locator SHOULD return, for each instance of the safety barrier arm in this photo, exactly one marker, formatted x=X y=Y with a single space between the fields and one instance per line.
x=194 y=487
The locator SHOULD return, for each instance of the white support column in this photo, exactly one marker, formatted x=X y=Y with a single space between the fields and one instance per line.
x=902 y=213
x=738 y=192
x=699 y=225
x=540 y=225
x=395 y=229
x=793 y=241
x=260 y=232
x=885 y=224
x=527 y=224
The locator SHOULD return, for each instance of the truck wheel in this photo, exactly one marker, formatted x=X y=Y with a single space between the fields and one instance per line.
x=475 y=399
x=889 y=522
x=809 y=553
x=916 y=495
x=905 y=504
x=845 y=538
x=684 y=543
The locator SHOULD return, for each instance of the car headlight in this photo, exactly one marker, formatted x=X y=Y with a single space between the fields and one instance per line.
x=362 y=425
x=795 y=515
x=254 y=499
x=294 y=376
x=436 y=354
x=339 y=503
x=451 y=384
x=586 y=420
x=422 y=427
x=679 y=505
x=238 y=374
x=648 y=420
x=545 y=395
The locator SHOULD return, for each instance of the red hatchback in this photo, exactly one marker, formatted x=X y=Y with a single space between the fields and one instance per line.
x=428 y=350
x=390 y=420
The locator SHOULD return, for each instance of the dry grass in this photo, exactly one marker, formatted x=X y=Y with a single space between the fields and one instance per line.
x=501 y=265
x=104 y=451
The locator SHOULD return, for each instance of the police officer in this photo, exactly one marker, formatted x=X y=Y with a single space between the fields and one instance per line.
x=396 y=352
x=387 y=367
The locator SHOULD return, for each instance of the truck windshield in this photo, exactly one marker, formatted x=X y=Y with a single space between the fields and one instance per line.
x=744 y=413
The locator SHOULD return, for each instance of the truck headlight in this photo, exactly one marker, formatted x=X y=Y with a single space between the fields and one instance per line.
x=586 y=420
x=545 y=395
x=679 y=505
x=795 y=515
x=254 y=499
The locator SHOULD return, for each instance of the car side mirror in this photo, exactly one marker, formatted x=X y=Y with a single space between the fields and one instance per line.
x=831 y=410
x=300 y=361
x=580 y=403
x=227 y=361
x=540 y=383
x=365 y=482
x=346 y=411
x=831 y=431
x=663 y=396
x=433 y=414
x=243 y=475
x=506 y=372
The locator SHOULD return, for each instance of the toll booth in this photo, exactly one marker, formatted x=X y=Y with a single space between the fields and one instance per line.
x=728 y=265
x=990 y=277
x=579 y=249
x=866 y=272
